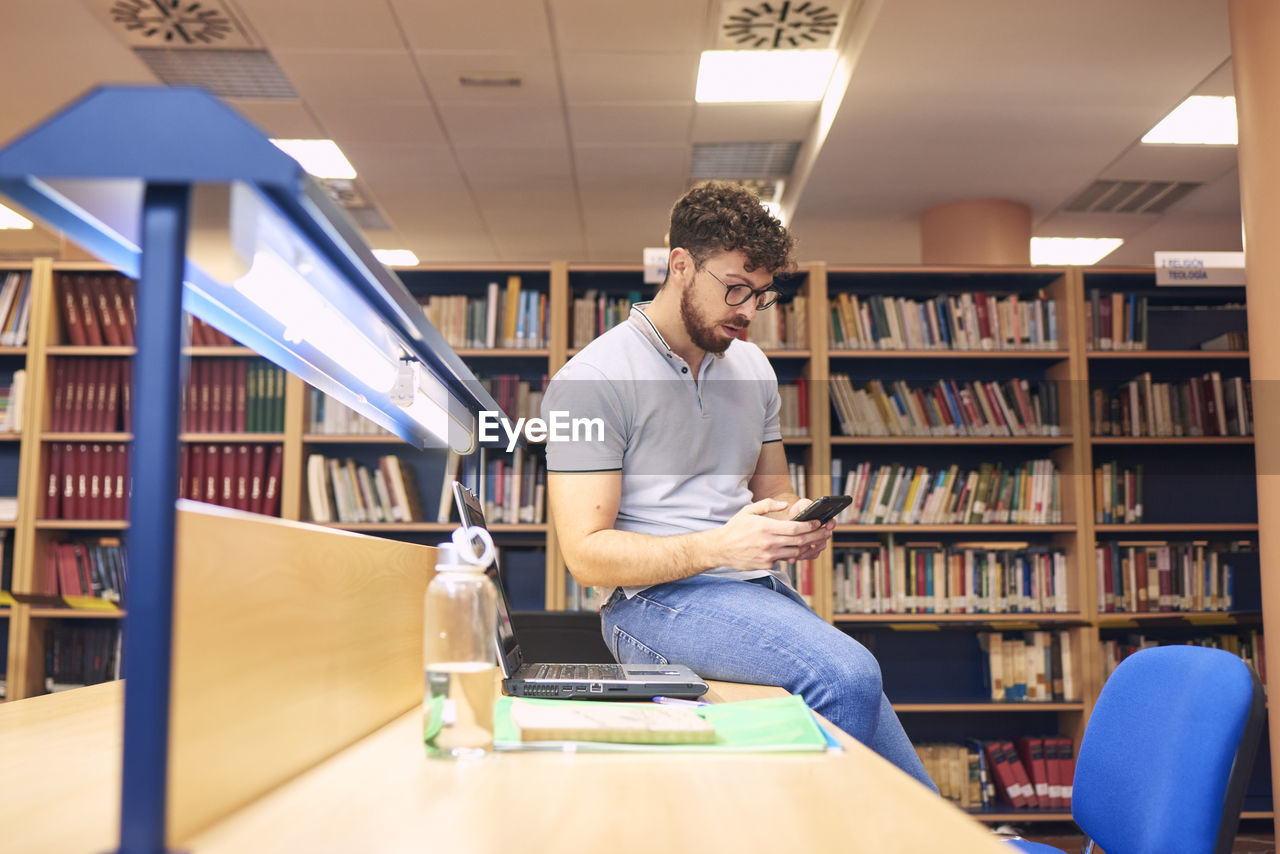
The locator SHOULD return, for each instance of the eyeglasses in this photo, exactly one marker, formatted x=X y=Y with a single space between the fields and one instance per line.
x=739 y=294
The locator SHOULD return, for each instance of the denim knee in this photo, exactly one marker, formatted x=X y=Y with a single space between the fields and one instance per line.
x=847 y=689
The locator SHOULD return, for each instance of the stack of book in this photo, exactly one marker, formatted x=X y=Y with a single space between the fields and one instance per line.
x=76 y=654
x=242 y=477
x=946 y=408
x=331 y=417
x=517 y=397
x=512 y=488
x=15 y=309
x=510 y=317
x=349 y=492
x=969 y=321
x=783 y=327
x=1032 y=667
x=86 y=480
x=960 y=578
x=1200 y=406
x=94 y=568
x=201 y=334
x=233 y=396
x=91 y=396
x=898 y=494
x=596 y=312
x=97 y=309
x=1117 y=494
x=13 y=393
x=1116 y=321
x=793 y=417
x=1027 y=772
x=1249 y=644
x=1159 y=575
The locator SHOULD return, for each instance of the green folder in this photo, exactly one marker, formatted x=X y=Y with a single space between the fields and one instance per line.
x=776 y=724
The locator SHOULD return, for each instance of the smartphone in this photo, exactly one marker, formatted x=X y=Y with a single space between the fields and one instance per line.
x=824 y=508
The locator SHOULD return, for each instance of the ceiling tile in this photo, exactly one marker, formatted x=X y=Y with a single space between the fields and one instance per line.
x=441 y=70
x=626 y=77
x=352 y=75
x=380 y=122
x=479 y=25
x=606 y=165
x=279 y=118
x=393 y=168
x=752 y=122
x=505 y=126
x=322 y=24
x=675 y=26
x=637 y=124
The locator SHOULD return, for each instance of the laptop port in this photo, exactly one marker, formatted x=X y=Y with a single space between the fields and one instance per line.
x=596 y=688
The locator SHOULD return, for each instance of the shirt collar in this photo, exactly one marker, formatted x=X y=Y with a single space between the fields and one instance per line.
x=640 y=320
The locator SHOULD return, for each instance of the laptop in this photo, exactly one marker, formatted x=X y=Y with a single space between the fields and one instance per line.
x=522 y=678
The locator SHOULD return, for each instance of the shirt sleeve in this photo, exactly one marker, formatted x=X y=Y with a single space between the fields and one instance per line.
x=772 y=409
x=586 y=421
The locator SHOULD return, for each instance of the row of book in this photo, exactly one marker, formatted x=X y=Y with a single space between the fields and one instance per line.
x=78 y=654
x=899 y=494
x=1164 y=576
x=511 y=488
x=91 y=395
x=596 y=312
x=201 y=334
x=93 y=567
x=97 y=308
x=785 y=326
x=13 y=395
x=1116 y=321
x=1028 y=772
x=1250 y=645
x=960 y=578
x=328 y=416
x=800 y=575
x=242 y=477
x=793 y=416
x=967 y=321
x=86 y=480
x=580 y=598
x=15 y=309
x=1199 y=406
x=1117 y=493
x=946 y=408
x=1034 y=667
x=517 y=397
x=504 y=317
x=352 y=493
x=233 y=396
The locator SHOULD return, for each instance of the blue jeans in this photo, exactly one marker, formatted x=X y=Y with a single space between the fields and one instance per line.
x=761 y=632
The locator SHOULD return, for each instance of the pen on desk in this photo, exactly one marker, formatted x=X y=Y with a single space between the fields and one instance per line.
x=676 y=701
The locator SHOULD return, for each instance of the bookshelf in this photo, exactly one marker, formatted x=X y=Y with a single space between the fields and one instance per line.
x=941 y=649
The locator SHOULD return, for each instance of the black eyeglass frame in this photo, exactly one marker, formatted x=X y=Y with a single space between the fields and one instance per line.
x=768 y=294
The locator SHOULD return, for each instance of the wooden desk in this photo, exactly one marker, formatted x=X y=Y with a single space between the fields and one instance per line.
x=59 y=785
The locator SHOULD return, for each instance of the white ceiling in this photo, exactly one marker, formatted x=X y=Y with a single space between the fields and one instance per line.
x=945 y=101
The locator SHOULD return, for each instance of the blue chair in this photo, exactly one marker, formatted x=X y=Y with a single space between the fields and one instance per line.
x=1167 y=754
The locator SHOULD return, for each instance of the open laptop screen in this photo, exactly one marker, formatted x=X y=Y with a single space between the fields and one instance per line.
x=508 y=648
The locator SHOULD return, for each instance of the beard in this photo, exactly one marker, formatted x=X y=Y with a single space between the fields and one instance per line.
x=706 y=335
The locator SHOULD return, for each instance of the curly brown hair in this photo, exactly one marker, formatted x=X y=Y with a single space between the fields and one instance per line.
x=716 y=216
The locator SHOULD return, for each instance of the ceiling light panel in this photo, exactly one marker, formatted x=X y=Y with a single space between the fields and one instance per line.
x=764 y=75
x=1073 y=251
x=1199 y=120
x=320 y=157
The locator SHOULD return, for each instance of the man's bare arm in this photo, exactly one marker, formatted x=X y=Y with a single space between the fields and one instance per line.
x=585 y=506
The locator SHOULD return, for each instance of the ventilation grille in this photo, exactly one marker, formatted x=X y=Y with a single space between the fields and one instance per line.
x=226 y=73
x=743 y=159
x=1130 y=197
x=173 y=23
x=778 y=24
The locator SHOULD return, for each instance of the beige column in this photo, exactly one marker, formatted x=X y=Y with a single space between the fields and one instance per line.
x=1255 y=30
x=993 y=232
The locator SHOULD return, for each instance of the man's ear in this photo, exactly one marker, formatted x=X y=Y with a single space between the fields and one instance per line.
x=680 y=264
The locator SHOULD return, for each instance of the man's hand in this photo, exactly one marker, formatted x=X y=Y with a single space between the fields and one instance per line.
x=752 y=540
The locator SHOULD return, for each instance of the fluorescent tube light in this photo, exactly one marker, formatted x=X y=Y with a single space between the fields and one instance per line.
x=1199 y=120
x=321 y=157
x=425 y=400
x=1073 y=251
x=764 y=75
x=396 y=257
x=10 y=218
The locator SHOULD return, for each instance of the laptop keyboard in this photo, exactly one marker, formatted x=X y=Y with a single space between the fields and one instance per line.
x=592 y=672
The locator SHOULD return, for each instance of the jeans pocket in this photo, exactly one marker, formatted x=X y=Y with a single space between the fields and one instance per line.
x=628 y=650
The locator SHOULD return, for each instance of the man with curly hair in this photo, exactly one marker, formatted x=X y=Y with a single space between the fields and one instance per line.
x=680 y=508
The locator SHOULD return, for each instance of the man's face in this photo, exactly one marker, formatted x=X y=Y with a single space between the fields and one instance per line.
x=710 y=322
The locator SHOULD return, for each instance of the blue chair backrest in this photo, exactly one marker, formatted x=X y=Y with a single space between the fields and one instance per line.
x=1155 y=769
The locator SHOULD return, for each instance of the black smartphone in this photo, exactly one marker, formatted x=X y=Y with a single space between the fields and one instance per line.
x=824 y=508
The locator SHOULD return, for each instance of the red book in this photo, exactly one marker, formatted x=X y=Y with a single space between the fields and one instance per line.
x=211 y=462
x=75 y=394
x=49 y=584
x=58 y=410
x=1031 y=752
x=1006 y=784
x=111 y=406
x=242 y=477
x=227 y=471
x=93 y=507
x=121 y=510
x=106 y=311
x=1066 y=756
x=227 y=414
x=88 y=312
x=68 y=577
x=1054 y=770
x=71 y=311
x=1020 y=774
x=110 y=465
x=1139 y=557
x=184 y=469
x=195 y=482
x=241 y=367
x=126 y=395
x=128 y=289
x=80 y=502
x=98 y=412
x=53 y=484
x=214 y=370
x=88 y=415
x=68 y=468
x=197 y=332
x=271 y=491
x=204 y=384
x=114 y=287
x=257 y=478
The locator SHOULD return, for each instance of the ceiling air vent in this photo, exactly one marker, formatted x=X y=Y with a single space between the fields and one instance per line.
x=743 y=159
x=1130 y=197
x=173 y=23
x=225 y=73
x=778 y=24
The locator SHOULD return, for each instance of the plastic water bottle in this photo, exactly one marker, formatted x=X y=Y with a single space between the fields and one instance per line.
x=458 y=649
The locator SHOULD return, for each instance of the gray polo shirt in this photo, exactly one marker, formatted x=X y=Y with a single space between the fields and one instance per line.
x=686 y=449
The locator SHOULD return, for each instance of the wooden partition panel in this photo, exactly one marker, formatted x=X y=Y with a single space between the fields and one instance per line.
x=291 y=642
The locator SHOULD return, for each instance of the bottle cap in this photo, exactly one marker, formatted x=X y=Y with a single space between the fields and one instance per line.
x=470 y=550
